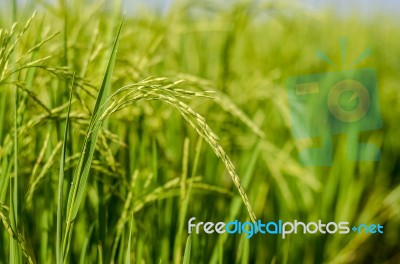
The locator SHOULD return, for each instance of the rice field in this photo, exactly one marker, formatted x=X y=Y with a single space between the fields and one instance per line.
x=116 y=129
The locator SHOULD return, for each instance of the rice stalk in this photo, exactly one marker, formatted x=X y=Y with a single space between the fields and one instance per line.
x=59 y=253
x=14 y=234
x=194 y=119
x=82 y=171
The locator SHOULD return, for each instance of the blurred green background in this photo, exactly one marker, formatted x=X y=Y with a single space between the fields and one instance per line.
x=151 y=171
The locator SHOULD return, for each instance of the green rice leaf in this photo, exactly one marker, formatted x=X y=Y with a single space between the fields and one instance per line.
x=82 y=171
x=188 y=249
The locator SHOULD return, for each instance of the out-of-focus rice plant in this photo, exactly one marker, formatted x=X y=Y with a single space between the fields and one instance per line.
x=110 y=142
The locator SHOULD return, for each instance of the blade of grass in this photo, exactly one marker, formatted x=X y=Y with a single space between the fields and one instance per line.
x=85 y=245
x=125 y=214
x=14 y=233
x=82 y=172
x=188 y=250
x=4 y=182
x=128 y=247
x=3 y=102
x=183 y=202
x=14 y=254
x=185 y=195
x=59 y=252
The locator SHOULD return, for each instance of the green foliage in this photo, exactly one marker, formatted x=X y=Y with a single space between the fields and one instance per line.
x=108 y=136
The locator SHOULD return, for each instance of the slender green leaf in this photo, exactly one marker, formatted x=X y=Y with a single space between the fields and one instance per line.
x=81 y=174
x=59 y=253
x=188 y=250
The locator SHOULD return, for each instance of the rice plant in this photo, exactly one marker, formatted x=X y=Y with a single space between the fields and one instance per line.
x=116 y=129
